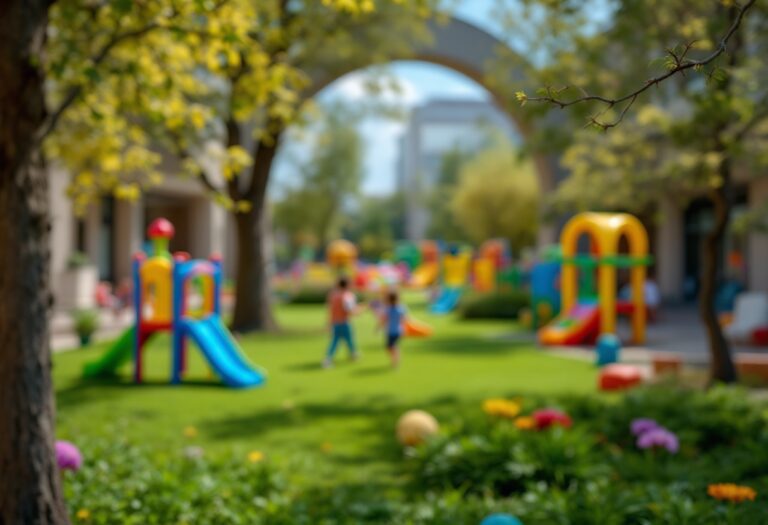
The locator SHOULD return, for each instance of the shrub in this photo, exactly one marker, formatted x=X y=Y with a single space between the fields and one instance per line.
x=595 y=473
x=77 y=260
x=495 y=305
x=309 y=295
x=86 y=322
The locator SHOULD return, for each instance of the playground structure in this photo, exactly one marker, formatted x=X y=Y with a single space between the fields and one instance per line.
x=341 y=256
x=584 y=314
x=181 y=296
x=456 y=264
x=427 y=271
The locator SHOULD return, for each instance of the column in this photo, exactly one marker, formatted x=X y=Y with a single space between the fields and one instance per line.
x=670 y=246
x=757 y=249
x=128 y=236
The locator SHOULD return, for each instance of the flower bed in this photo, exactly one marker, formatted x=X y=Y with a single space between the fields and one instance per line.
x=570 y=461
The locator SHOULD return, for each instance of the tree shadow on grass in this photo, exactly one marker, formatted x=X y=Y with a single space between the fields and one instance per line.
x=307 y=366
x=110 y=388
x=374 y=370
x=470 y=345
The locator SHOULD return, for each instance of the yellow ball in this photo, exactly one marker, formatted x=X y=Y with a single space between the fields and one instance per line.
x=415 y=426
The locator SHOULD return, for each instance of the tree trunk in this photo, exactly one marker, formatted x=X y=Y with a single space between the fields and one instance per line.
x=253 y=301
x=721 y=362
x=30 y=486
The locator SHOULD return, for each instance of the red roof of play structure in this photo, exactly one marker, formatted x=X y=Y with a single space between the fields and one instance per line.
x=160 y=229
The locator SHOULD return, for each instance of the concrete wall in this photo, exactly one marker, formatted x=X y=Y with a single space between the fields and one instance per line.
x=757 y=252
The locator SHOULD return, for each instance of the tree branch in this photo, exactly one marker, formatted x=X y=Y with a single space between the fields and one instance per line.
x=75 y=91
x=182 y=154
x=678 y=63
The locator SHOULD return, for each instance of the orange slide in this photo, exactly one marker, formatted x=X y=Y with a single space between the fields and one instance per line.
x=414 y=328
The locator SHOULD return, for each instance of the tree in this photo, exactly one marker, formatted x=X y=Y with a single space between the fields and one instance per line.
x=375 y=225
x=327 y=181
x=442 y=222
x=694 y=133
x=498 y=196
x=240 y=78
x=89 y=55
x=30 y=490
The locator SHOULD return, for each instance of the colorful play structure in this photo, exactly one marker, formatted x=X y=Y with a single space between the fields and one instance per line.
x=181 y=296
x=587 y=313
x=425 y=267
x=454 y=276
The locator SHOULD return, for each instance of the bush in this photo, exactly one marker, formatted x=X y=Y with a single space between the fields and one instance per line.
x=589 y=474
x=595 y=473
x=496 y=305
x=86 y=322
x=309 y=295
x=77 y=260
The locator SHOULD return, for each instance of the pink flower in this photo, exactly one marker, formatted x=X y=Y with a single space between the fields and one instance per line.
x=68 y=456
x=659 y=438
x=642 y=425
x=549 y=417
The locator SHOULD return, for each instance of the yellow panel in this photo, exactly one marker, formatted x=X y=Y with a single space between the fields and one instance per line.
x=485 y=274
x=456 y=268
x=156 y=290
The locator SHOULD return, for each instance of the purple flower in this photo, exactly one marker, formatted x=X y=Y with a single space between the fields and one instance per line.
x=68 y=456
x=642 y=425
x=659 y=438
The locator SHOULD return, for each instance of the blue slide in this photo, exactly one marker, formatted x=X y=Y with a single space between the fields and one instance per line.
x=223 y=352
x=447 y=301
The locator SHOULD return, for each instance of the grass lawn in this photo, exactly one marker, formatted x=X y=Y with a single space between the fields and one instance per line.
x=341 y=420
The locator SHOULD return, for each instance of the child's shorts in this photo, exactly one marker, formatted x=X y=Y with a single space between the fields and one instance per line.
x=392 y=340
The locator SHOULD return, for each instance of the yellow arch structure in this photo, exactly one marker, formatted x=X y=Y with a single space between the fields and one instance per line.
x=606 y=231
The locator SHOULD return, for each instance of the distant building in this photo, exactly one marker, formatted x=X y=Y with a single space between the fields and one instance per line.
x=434 y=129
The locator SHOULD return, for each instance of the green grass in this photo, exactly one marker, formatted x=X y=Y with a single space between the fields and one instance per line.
x=353 y=407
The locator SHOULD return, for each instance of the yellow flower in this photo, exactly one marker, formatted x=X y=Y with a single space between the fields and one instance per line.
x=326 y=447
x=731 y=492
x=190 y=432
x=256 y=456
x=525 y=423
x=83 y=514
x=501 y=408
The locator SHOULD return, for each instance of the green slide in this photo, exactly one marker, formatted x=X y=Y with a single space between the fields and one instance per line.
x=120 y=352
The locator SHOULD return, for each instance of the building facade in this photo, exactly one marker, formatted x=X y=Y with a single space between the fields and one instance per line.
x=434 y=129
x=112 y=231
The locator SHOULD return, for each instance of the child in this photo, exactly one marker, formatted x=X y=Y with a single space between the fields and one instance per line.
x=393 y=318
x=341 y=305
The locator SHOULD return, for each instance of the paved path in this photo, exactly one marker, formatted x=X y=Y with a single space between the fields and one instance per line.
x=680 y=330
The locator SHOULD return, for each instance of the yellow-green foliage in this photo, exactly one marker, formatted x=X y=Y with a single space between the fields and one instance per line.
x=498 y=196
x=135 y=86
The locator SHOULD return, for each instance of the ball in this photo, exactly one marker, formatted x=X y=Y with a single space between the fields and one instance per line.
x=501 y=519
x=415 y=426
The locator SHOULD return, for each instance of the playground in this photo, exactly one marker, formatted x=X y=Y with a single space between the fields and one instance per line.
x=383 y=262
x=352 y=407
x=177 y=386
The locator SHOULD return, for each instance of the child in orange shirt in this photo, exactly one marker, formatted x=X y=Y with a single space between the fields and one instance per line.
x=341 y=305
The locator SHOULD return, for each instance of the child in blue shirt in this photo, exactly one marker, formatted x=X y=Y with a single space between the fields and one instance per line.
x=392 y=320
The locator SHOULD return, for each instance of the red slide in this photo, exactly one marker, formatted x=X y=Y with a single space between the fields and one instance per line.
x=577 y=326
